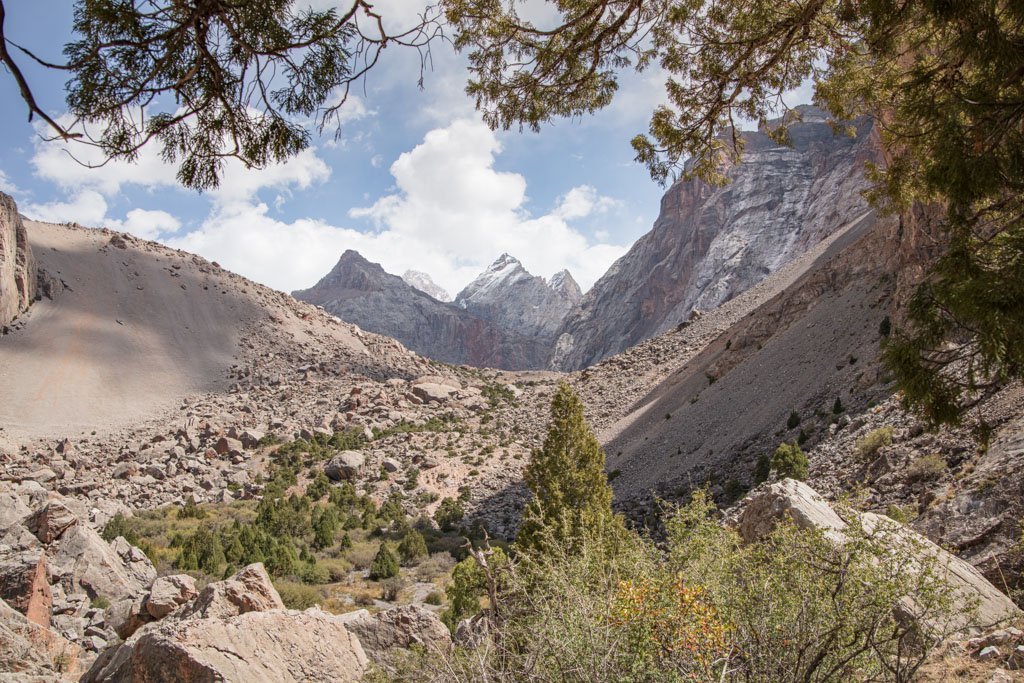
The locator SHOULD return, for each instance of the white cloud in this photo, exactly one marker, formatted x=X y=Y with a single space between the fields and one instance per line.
x=7 y=186
x=89 y=208
x=451 y=215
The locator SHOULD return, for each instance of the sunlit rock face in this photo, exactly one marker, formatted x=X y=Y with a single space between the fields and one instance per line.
x=711 y=243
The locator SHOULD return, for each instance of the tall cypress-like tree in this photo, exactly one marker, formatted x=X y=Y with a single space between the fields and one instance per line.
x=567 y=478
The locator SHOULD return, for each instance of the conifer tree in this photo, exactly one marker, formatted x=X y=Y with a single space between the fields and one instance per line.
x=567 y=478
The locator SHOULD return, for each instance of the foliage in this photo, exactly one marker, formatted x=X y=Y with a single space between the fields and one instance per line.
x=837 y=407
x=763 y=468
x=567 y=479
x=943 y=78
x=793 y=420
x=468 y=586
x=298 y=596
x=873 y=441
x=211 y=80
x=788 y=461
x=926 y=468
x=794 y=606
x=385 y=563
x=412 y=548
x=449 y=514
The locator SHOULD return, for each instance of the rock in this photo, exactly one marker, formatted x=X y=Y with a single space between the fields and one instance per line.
x=83 y=562
x=391 y=465
x=279 y=646
x=399 y=627
x=50 y=521
x=249 y=590
x=17 y=264
x=1016 y=660
x=12 y=508
x=429 y=392
x=34 y=651
x=759 y=512
x=168 y=593
x=25 y=586
x=226 y=444
x=126 y=616
x=345 y=465
x=989 y=654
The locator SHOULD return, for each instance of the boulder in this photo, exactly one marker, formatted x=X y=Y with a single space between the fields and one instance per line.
x=83 y=562
x=17 y=264
x=279 y=646
x=399 y=627
x=430 y=392
x=24 y=585
x=791 y=499
x=50 y=521
x=226 y=444
x=249 y=590
x=12 y=507
x=345 y=465
x=168 y=593
x=34 y=651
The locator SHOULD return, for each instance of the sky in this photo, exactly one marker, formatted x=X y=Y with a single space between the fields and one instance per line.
x=413 y=179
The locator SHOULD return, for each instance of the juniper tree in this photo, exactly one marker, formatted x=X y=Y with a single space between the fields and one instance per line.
x=567 y=479
x=210 y=80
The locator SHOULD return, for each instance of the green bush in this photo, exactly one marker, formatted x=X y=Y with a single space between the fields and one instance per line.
x=793 y=420
x=385 y=563
x=837 y=407
x=868 y=446
x=926 y=468
x=412 y=548
x=298 y=596
x=789 y=461
x=449 y=514
x=763 y=469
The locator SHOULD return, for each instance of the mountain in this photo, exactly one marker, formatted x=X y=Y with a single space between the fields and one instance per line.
x=362 y=293
x=711 y=243
x=17 y=265
x=426 y=284
x=507 y=295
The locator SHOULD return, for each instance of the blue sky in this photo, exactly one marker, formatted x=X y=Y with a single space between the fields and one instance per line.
x=415 y=180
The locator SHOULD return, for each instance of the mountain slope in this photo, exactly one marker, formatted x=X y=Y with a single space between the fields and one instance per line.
x=362 y=293
x=509 y=296
x=711 y=243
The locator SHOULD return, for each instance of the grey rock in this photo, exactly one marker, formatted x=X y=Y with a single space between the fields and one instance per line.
x=168 y=593
x=345 y=465
x=18 y=278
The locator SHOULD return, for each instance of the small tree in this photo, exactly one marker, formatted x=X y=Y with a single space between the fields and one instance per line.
x=449 y=513
x=567 y=479
x=790 y=462
x=385 y=563
x=837 y=407
x=412 y=548
x=763 y=468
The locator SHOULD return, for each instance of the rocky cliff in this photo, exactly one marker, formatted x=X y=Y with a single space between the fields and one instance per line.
x=362 y=293
x=17 y=265
x=509 y=296
x=710 y=243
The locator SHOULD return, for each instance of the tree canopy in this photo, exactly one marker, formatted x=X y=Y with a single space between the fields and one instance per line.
x=210 y=79
x=944 y=80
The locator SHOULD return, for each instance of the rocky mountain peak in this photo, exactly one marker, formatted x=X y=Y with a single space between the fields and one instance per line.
x=423 y=282
x=564 y=283
x=501 y=274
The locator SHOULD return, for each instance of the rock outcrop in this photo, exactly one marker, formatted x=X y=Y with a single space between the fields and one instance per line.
x=798 y=502
x=398 y=628
x=711 y=243
x=362 y=293
x=17 y=265
x=510 y=297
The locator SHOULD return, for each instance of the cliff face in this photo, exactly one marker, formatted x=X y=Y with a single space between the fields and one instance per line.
x=510 y=297
x=710 y=244
x=362 y=293
x=17 y=265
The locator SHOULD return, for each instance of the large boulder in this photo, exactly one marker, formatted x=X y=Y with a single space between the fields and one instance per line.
x=17 y=265
x=794 y=500
x=279 y=646
x=168 y=593
x=83 y=562
x=431 y=392
x=249 y=590
x=397 y=628
x=49 y=522
x=24 y=585
x=344 y=466
x=33 y=651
